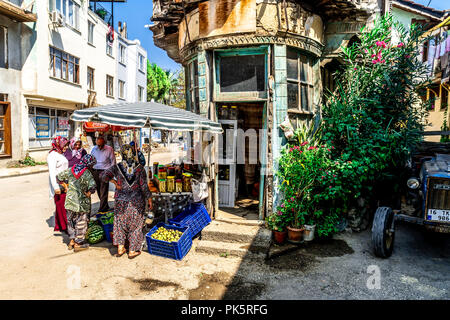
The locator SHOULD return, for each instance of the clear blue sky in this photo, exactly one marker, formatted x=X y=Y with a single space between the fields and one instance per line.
x=437 y=4
x=137 y=14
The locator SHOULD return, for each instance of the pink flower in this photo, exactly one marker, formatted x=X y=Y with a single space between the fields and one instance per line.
x=365 y=50
x=292 y=198
x=374 y=61
x=334 y=176
x=407 y=56
x=279 y=213
x=304 y=143
x=374 y=55
x=282 y=205
x=355 y=68
x=381 y=44
x=328 y=149
x=322 y=177
x=330 y=187
x=401 y=44
x=383 y=61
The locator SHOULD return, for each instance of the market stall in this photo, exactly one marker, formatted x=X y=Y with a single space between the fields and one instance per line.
x=170 y=183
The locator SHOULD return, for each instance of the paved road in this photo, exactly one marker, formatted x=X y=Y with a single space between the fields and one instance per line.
x=35 y=264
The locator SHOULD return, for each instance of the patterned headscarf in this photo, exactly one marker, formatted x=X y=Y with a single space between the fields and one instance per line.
x=76 y=153
x=129 y=161
x=58 y=143
x=86 y=162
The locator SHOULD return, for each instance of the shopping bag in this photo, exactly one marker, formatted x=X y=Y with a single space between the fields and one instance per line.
x=200 y=188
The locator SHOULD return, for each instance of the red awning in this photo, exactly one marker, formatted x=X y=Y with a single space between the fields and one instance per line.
x=103 y=127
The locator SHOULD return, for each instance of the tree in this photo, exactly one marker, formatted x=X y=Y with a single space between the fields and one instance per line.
x=176 y=96
x=158 y=83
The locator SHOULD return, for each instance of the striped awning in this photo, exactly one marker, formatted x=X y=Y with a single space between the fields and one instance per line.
x=145 y=114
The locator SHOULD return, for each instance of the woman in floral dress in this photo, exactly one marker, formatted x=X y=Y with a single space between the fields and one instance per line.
x=131 y=196
x=80 y=185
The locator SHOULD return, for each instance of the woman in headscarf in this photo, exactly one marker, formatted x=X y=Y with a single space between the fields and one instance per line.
x=80 y=185
x=131 y=196
x=58 y=163
x=75 y=152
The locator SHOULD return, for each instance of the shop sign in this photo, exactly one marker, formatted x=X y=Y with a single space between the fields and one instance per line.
x=63 y=123
x=42 y=127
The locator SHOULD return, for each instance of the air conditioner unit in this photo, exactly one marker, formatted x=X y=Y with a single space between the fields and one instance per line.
x=57 y=19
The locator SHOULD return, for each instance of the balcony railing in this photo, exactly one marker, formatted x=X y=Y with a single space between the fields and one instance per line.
x=100 y=11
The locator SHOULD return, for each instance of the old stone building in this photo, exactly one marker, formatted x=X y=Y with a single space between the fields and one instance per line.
x=258 y=61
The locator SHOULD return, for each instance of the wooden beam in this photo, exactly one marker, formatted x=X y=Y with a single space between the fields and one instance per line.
x=16 y=13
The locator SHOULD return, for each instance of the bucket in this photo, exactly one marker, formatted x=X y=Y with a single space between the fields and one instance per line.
x=308 y=234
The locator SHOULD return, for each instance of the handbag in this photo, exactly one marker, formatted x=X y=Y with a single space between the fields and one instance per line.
x=200 y=188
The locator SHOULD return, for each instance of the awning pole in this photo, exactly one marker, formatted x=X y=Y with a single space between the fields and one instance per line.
x=149 y=147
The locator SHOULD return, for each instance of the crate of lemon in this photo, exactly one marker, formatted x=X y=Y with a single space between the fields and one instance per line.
x=169 y=241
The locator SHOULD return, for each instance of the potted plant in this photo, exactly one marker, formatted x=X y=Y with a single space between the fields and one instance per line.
x=276 y=223
x=308 y=233
x=296 y=228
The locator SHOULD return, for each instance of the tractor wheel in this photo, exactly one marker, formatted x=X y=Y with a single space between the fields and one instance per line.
x=383 y=233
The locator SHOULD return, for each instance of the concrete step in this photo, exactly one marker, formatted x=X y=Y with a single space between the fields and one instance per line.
x=232 y=232
x=225 y=249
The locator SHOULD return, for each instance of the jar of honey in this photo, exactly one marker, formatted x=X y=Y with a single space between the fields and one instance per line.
x=162 y=185
x=179 y=185
x=162 y=174
x=187 y=182
x=170 y=183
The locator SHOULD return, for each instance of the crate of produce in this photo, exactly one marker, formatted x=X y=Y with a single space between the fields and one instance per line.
x=169 y=249
x=107 y=222
x=108 y=228
x=195 y=216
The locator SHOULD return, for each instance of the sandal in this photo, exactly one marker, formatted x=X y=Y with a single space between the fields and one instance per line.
x=132 y=256
x=80 y=247
x=120 y=253
x=71 y=245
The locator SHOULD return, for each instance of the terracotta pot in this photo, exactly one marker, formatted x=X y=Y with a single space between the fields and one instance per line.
x=294 y=234
x=279 y=237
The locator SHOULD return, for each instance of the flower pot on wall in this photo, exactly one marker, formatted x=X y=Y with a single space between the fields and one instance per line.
x=279 y=237
x=308 y=234
x=295 y=235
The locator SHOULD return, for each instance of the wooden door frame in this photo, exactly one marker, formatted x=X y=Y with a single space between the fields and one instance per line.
x=7 y=130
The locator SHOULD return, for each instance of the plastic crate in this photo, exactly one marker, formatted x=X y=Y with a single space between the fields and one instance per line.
x=172 y=250
x=108 y=228
x=195 y=216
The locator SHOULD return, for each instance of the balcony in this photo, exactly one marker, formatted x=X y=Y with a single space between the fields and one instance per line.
x=101 y=12
x=15 y=12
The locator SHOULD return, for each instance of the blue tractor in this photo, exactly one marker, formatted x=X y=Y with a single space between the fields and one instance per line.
x=428 y=199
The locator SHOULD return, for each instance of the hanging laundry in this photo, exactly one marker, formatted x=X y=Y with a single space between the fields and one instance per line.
x=445 y=66
x=443 y=43
x=431 y=53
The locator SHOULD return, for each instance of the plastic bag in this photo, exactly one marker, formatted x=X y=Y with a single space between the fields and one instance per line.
x=200 y=188
x=286 y=126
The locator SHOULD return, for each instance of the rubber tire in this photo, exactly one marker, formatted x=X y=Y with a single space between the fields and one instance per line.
x=381 y=222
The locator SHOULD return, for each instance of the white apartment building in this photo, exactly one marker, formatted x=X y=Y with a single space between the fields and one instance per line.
x=70 y=64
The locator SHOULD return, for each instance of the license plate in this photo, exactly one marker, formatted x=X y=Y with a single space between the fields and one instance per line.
x=438 y=215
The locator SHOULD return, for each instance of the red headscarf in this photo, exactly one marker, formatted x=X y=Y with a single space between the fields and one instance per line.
x=58 y=143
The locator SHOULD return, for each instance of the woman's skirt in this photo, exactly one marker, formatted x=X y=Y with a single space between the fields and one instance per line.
x=128 y=223
x=60 y=213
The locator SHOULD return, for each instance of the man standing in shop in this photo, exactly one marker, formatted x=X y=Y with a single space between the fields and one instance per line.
x=105 y=159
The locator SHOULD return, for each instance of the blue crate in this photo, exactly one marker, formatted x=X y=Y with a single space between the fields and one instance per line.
x=108 y=228
x=172 y=250
x=194 y=216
